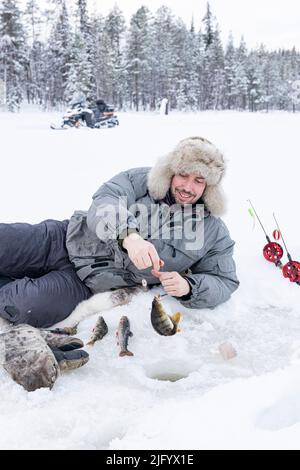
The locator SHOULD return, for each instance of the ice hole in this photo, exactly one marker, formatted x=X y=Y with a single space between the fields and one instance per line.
x=169 y=371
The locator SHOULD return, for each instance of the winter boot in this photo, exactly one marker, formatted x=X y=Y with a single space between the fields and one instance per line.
x=69 y=360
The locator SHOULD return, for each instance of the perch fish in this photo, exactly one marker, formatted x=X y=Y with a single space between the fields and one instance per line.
x=163 y=323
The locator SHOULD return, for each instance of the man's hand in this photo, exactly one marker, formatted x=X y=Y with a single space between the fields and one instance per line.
x=141 y=252
x=173 y=283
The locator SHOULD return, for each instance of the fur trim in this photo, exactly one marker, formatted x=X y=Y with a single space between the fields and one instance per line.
x=191 y=155
x=215 y=200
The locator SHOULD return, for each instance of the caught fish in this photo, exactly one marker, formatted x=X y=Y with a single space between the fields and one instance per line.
x=123 y=333
x=163 y=324
x=99 y=331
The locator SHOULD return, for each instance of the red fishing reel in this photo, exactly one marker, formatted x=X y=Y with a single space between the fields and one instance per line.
x=273 y=252
x=291 y=270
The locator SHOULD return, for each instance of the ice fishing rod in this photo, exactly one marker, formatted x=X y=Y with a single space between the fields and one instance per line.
x=272 y=251
x=291 y=269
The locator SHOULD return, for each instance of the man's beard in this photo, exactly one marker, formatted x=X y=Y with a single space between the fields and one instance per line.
x=187 y=193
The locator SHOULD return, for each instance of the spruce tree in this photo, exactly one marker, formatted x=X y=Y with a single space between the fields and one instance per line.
x=208 y=20
x=59 y=56
x=241 y=76
x=230 y=90
x=212 y=79
x=78 y=79
x=34 y=70
x=113 y=37
x=138 y=59
x=162 y=53
x=13 y=57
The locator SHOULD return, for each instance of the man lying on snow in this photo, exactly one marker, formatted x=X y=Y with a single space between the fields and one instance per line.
x=47 y=269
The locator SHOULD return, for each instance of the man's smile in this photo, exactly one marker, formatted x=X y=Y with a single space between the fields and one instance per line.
x=184 y=196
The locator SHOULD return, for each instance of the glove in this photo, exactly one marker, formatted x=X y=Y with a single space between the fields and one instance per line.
x=65 y=349
x=34 y=358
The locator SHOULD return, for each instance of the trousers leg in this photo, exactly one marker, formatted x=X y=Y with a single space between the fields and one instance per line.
x=44 y=301
x=33 y=250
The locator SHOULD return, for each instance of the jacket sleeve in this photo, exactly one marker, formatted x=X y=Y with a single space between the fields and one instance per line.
x=213 y=278
x=109 y=215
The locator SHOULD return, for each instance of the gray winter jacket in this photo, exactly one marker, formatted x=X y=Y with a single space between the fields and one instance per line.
x=124 y=204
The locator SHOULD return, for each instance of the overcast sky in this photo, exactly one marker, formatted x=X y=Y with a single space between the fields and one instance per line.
x=276 y=23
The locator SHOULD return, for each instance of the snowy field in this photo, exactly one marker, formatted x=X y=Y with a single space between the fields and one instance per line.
x=251 y=401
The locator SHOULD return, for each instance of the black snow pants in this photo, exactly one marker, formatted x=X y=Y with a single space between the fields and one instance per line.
x=38 y=284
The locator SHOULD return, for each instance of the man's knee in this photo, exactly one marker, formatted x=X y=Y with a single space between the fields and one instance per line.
x=39 y=302
x=23 y=302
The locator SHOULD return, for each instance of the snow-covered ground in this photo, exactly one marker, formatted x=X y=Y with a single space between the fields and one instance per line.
x=251 y=401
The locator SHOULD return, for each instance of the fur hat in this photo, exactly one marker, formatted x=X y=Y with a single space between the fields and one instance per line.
x=191 y=155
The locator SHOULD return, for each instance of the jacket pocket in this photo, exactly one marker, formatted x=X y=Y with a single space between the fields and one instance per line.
x=226 y=264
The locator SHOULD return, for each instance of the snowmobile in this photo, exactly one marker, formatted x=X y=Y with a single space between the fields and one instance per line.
x=78 y=115
x=75 y=116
